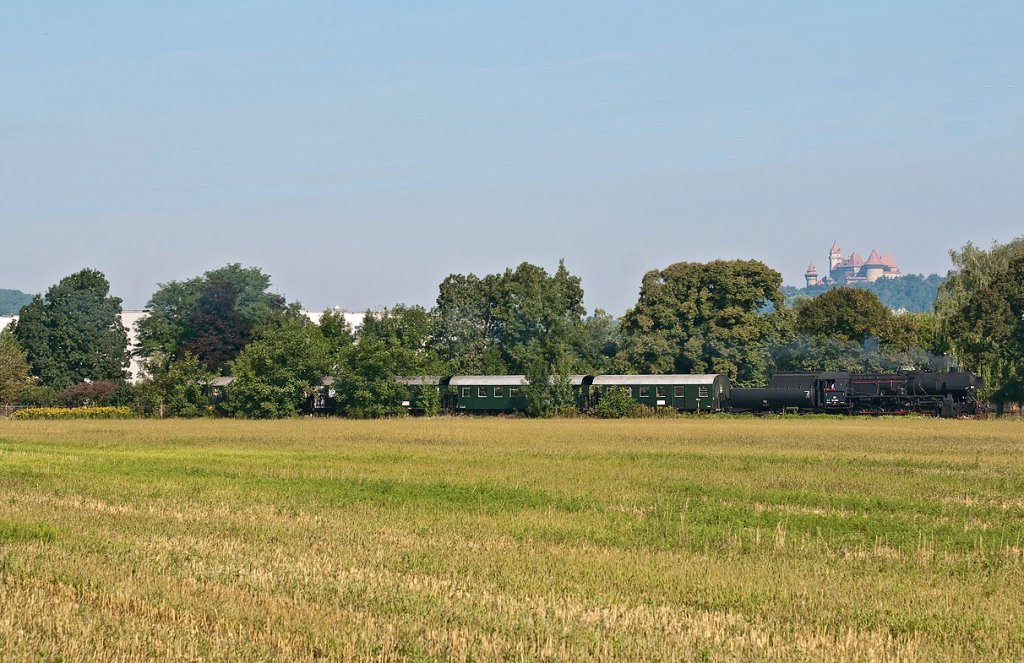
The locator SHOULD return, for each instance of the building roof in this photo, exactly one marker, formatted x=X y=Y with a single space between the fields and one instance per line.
x=615 y=380
x=853 y=261
x=835 y=247
x=811 y=269
x=874 y=259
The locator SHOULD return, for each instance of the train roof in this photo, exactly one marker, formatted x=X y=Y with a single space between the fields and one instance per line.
x=501 y=380
x=487 y=380
x=419 y=380
x=673 y=379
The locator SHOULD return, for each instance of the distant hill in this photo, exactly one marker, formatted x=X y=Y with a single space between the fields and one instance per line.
x=913 y=292
x=11 y=301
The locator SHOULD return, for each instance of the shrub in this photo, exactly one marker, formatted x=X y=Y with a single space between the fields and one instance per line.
x=616 y=403
x=39 y=395
x=74 y=413
x=88 y=394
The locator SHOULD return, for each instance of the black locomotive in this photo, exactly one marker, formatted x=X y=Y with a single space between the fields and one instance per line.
x=948 y=394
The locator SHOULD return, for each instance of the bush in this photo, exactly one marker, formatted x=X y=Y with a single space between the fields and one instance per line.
x=39 y=395
x=616 y=403
x=429 y=400
x=88 y=394
x=74 y=413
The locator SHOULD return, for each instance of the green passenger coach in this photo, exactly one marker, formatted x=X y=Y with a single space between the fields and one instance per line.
x=688 y=393
x=486 y=393
x=493 y=394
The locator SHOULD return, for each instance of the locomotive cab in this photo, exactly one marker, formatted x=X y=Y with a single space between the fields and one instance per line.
x=832 y=390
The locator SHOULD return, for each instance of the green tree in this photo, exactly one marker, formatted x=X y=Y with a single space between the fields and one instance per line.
x=499 y=324
x=845 y=314
x=979 y=314
x=987 y=329
x=391 y=343
x=15 y=372
x=182 y=388
x=173 y=326
x=974 y=268
x=705 y=318
x=849 y=329
x=464 y=336
x=277 y=373
x=548 y=392
x=336 y=331
x=596 y=344
x=74 y=333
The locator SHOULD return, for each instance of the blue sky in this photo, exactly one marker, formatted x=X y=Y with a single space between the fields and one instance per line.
x=360 y=152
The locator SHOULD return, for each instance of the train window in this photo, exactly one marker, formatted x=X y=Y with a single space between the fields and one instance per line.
x=513 y=392
x=678 y=392
x=481 y=392
x=645 y=392
x=702 y=392
x=497 y=392
x=659 y=392
x=465 y=392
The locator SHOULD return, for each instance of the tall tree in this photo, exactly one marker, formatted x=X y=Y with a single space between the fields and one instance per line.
x=987 y=330
x=705 y=318
x=215 y=331
x=974 y=268
x=277 y=373
x=845 y=314
x=597 y=344
x=183 y=389
x=464 y=337
x=504 y=322
x=164 y=333
x=391 y=343
x=74 y=332
x=15 y=372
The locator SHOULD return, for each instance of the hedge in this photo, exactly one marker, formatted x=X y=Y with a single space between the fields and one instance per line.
x=74 y=413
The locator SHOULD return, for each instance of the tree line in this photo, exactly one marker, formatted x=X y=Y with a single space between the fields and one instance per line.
x=725 y=316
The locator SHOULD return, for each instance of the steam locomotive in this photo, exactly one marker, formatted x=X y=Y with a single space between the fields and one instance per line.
x=947 y=394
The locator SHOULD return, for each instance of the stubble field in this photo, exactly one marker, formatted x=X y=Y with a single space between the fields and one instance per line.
x=463 y=539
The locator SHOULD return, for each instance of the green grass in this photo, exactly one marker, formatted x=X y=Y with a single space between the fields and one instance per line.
x=683 y=539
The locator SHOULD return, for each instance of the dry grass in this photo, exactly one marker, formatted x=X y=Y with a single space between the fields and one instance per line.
x=691 y=539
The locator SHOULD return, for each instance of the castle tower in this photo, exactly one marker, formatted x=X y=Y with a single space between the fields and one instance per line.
x=811 y=275
x=835 y=256
x=874 y=267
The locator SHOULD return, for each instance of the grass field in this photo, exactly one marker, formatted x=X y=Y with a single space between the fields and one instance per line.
x=702 y=539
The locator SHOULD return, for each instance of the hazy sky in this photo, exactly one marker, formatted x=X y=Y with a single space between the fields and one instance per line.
x=361 y=151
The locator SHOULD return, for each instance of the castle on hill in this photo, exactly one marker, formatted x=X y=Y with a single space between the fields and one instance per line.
x=844 y=271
